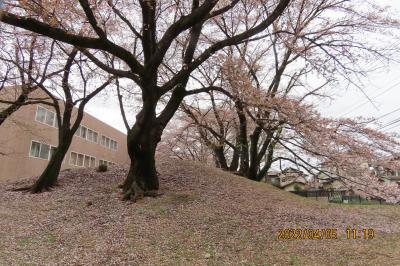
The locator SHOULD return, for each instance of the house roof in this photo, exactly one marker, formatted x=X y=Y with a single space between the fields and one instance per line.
x=292 y=170
x=327 y=180
x=291 y=183
x=273 y=173
x=300 y=180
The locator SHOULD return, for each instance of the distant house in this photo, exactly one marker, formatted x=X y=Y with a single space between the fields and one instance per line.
x=273 y=178
x=293 y=179
x=332 y=184
x=296 y=185
x=386 y=175
x=290 y=179
x=333 y=181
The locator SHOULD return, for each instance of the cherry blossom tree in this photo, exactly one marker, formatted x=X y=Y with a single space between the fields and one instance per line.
x=23 y=58
x=245 y=127
x=38 y=70
x=80 y=81
x=306 y=140
x=142 y=37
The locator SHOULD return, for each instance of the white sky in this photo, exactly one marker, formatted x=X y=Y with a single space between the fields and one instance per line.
x=383 y=87
x=106 y=109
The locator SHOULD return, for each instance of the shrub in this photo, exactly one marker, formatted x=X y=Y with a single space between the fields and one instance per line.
x=102 y=168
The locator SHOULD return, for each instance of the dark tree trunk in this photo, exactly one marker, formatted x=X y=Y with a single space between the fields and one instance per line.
x=244 y=149
x=235 y=158
x=142 y=140
x=254 y=162
x=49 y=177
x=220 y=156
x=142 y=179
x=264 y=170
x=269 y=159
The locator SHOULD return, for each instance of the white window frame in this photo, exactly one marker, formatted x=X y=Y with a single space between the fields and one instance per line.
x=110 y=146
x=84 y=155
x=108 y=163
x=55 y=123
x=40 y=149
x=30 y=149
x=79 y=134
x=70 y=158
x=36 y=114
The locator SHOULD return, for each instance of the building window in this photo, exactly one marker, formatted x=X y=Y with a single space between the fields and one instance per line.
x=72 y=158
x=82 y=160
x=92 y=162
x=52 y=151
x=35 y=149
x=50 y=118
x=40 y=114
x=83 y=132
x=104 y=162
x=108 y=143
x=90 y=135
x=113 y=145
x=87 y=134
x=87 y=161
x=46 y=116
x=44 y=151
x=95 y=136
x=41 y=150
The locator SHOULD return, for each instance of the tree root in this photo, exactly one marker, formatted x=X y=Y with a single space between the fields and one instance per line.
x=136 y=193
x=18 y=189
x=32 y=189
x=37 y=191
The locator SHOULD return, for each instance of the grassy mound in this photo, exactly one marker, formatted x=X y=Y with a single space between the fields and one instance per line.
x=204 y=217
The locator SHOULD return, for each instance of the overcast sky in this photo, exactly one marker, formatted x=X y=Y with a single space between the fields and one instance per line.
x=383 y=87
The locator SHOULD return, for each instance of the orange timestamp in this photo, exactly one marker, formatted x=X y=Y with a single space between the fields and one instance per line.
x=324 y=233
x=307 y=233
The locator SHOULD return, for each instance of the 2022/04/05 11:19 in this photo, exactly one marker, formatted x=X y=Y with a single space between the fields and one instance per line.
x=324 y=233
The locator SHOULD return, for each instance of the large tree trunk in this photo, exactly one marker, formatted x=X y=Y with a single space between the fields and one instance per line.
x=244 y=149
x=254 y=162
x=142 y=178
x=48 y=178
x=235 y=160
x=220 y=157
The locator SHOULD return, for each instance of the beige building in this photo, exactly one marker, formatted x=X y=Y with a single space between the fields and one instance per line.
x=28 y=137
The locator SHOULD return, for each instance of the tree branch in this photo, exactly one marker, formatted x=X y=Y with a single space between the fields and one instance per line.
x=73 y=39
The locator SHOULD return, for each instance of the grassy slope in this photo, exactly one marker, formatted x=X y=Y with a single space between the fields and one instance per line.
x=205 y=217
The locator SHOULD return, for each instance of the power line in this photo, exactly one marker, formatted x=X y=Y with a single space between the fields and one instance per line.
x=395 y=121
x=392 y=127
x=382 y=116
x=376 y=96
x=394 y=45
